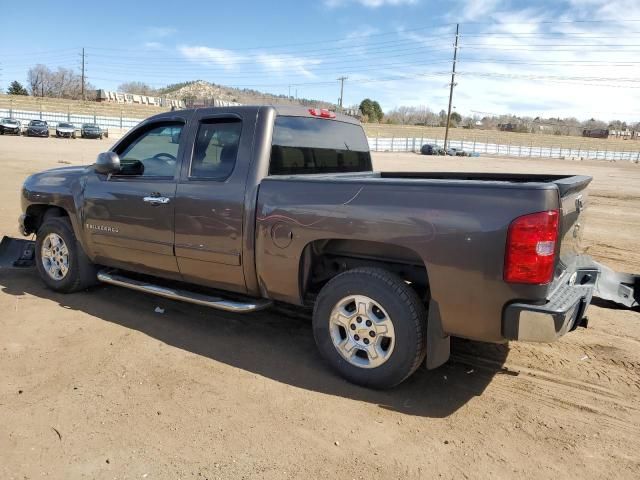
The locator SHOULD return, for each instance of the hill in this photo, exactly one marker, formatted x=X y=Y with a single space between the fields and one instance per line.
x=203 y=93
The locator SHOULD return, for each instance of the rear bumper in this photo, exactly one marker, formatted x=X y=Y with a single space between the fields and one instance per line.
x=562 y=313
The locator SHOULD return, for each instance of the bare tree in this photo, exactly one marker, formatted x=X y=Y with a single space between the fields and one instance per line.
x=139 y=88
x=60 y=83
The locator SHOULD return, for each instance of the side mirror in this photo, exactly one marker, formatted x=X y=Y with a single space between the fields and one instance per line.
x=107 y=162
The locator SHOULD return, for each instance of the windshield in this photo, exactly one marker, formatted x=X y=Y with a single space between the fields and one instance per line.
x=90 y=125
x=65 y=125
x=303 y=145
x=38 y=123
x=9 y=121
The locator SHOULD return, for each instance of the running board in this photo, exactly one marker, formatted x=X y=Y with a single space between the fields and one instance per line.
x=183 y=295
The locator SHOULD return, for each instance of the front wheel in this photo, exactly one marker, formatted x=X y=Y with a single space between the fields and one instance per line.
x=60 y=260
x=371 y=327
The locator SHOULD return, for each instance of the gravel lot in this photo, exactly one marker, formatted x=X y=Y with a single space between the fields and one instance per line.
x=98 y=385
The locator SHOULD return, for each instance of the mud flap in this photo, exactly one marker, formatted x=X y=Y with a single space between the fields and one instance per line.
x=17 y=253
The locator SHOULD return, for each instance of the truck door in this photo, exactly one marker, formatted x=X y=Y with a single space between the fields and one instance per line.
x=209 y=205
x=129 y=217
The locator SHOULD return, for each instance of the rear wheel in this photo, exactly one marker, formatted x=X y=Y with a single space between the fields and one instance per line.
x=371 y=327
x=60 y=260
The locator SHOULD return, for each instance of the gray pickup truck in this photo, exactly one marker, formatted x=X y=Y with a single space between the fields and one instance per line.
x=238 y=208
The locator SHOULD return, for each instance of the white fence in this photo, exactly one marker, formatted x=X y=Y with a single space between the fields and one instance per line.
x=53 y=118
x=408 y=144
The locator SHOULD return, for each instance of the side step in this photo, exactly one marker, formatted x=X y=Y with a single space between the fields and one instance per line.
x=183 y=295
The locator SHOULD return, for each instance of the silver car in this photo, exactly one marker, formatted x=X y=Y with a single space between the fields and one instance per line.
x=67 y=130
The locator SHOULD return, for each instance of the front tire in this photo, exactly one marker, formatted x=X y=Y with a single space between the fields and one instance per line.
x=370 y=326
x=62 y=264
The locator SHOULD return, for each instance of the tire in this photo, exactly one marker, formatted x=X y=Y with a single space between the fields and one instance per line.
x=80 y=272
x=394 y=302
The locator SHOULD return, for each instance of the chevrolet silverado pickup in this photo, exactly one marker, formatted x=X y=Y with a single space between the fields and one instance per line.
x=238 y=208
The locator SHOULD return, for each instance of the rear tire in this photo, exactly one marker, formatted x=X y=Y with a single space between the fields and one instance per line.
x=62 y=264
x=370 y=326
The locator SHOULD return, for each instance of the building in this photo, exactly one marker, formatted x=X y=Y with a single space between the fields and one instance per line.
x=132 y=98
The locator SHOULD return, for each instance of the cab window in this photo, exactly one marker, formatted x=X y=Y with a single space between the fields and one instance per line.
x=154 y=153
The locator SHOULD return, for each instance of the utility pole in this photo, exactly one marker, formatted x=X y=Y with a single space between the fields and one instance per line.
x=341 y=80
x=82 y=86
x=453 y=84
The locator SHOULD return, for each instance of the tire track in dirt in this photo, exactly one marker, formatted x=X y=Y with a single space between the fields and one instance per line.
x=598 y=367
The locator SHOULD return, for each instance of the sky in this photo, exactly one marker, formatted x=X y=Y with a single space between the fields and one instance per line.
x=551 y=58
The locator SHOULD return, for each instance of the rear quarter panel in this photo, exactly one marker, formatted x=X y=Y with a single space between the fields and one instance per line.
x=458 y=229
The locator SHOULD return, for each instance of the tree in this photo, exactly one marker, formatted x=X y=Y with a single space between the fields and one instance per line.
x=138 y=88
x=16 y=88
x=60 y=83
x=371 y=109
x=378 y=111
x=456 y=118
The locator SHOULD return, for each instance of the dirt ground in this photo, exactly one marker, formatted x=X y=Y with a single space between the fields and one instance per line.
x=98 y=385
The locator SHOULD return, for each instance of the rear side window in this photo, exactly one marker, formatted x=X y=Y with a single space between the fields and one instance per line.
x=216 y=149
x=303 y=145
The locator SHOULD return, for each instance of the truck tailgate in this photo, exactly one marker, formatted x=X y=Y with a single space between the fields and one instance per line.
x=573 y=201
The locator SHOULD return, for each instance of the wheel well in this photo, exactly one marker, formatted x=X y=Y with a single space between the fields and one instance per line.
x=37 y=214
x=322 y=260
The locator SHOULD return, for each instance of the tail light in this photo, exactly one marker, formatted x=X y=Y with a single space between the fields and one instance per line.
x=322 y=113
x=531 y=248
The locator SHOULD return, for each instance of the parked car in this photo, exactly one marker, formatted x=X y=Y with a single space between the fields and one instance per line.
x=65 y=130
x=91 y=130
x=455 y=152
x=429 y=149
x=280 y=204
x=9 y=126
x=38 y=128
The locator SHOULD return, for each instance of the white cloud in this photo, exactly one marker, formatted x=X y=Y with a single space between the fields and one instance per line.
x=226 y=59
x=287 y=63
x=232 y=60
x=369 y=3
x=478 y=10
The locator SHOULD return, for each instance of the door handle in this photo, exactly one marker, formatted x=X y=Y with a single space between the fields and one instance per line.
x=156 y=200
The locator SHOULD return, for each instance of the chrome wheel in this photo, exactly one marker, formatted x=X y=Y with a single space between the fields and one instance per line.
x=55 y=256
x=361 y=331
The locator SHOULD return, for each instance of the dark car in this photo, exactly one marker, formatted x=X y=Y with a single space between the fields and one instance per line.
x=38 y=128
x=65 y=130
x=10 y=126
x=429 y=149
x=91 y=130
